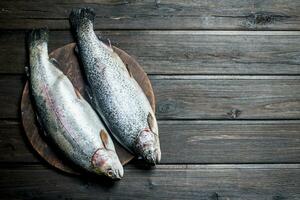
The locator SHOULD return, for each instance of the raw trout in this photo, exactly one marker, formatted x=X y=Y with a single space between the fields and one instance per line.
x=117 y=97
x=66 y=117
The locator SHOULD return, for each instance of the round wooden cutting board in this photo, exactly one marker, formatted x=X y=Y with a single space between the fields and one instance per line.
x=69 y=64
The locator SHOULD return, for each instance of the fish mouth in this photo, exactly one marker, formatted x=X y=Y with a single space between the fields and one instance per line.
x=118 y=176
x=152 y=158
x=115 y=174
x=148 y=148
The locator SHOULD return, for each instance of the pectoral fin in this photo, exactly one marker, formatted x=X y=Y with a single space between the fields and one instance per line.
x=104 y=138
x=54 y=62
x=128 y=69
x=105 y=41
x=151 y=123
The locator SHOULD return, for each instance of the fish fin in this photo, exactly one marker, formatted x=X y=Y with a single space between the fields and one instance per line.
x=129 y=71
x=104 y=138
x=54 y=62
x=37 y=36
x=81 y=19
x=151 y=122
x=76 y=49
x=105 y=41
x=27 y=71
x=77 y=93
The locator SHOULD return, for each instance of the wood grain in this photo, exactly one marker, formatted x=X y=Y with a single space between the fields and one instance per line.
x=198 y=142
x=227 y=97
x=200 y=97
x=182 y=52
x=173 y=37
x=210 y=182
x=149 y=14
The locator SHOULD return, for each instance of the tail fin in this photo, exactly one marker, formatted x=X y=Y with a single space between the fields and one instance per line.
x=82 y=18
x=38 y=36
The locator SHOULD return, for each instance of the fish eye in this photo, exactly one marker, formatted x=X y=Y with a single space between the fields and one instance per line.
x=109 y=172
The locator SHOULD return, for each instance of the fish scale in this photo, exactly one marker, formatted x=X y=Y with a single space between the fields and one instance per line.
x=69 y=121
x=117 y=97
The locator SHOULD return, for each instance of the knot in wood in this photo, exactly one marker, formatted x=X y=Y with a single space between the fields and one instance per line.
x=234 y=113
x=263 y=18
x=278 y=197
x=214 y=196
x=167 y=107
x=152 y=184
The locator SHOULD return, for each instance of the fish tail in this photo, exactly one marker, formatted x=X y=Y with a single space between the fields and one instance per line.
x=37 y=37
x=37 y=43
x=82 y=19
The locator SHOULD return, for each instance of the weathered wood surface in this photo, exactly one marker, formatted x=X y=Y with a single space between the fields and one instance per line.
x=200 y=97
x=193 y=142
x=186 y=47
x=209 y=182
x=182 y=52
x=155 y=14
x=227 y=97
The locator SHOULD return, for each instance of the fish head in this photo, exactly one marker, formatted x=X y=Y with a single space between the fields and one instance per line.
x=148 y=147
x=106 y=162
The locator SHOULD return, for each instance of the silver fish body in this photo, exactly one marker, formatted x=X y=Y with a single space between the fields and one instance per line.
x=116 y=95
x=66 y=117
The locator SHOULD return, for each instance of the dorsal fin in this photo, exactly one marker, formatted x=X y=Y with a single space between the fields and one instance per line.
x=128 y=69
x=104 y=138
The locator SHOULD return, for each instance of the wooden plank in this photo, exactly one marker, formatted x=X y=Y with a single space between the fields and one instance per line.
x=194 y=142
x=183 y=52
x=200 y=97
x=149 y=14
x=10 y=96
x=230 y=141
x=212 y=182
x=14 y=146
x=227 y=97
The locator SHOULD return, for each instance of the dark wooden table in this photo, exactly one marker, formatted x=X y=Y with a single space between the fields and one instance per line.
x=226 y=75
